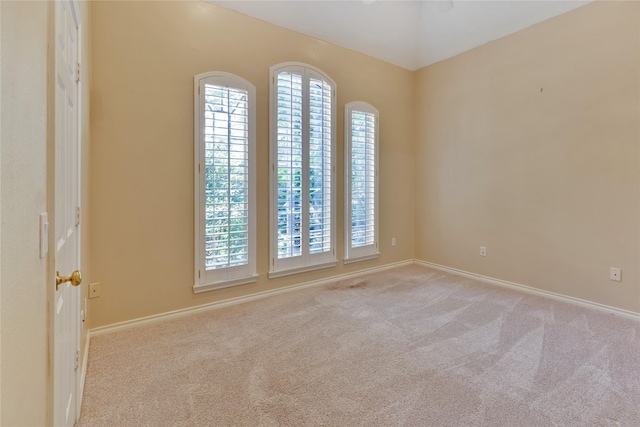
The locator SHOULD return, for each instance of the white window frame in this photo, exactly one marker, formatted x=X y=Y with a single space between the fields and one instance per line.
x=361 y=253
x=306 y=261
x=206 y=280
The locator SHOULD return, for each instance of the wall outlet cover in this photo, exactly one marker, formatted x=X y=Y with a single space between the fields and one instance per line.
x=615 y=274
x=94 y=290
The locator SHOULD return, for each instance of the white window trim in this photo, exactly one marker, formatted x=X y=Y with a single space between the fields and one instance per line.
x=361 y=253
x=232 y=276
x=305 y=262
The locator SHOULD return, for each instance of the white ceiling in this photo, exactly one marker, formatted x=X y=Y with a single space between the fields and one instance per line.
x=411 y=34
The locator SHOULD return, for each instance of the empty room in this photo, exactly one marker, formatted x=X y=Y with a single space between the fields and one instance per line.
x=305 y=213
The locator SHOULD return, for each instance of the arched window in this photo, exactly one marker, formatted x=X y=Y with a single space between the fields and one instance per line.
x=361 y=181
x=302 y=141
x=225 y=206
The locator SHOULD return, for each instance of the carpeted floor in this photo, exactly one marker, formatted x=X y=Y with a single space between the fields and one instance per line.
x=407 y=347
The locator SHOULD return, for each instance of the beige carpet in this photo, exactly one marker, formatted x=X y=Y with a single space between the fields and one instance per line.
x=408 y=347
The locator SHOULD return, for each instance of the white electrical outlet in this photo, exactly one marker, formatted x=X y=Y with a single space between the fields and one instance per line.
x=393 y=241
x=94 y=290
x=615 y=274
x=483 y=251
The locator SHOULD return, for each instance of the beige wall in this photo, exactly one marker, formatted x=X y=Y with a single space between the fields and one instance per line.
x=24 y=196
x=145 y=55
x=547 y=180
x=529 y=145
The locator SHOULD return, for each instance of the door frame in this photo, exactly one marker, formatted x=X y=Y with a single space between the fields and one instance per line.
x=51 y=258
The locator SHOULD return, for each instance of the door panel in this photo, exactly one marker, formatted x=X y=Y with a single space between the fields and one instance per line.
x=66 y=195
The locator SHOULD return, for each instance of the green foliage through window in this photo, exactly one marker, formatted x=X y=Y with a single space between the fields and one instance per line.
x=226 y=168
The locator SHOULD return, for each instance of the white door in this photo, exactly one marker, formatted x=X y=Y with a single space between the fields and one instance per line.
x=67 y=199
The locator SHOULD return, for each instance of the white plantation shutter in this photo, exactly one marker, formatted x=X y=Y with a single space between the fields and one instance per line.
x=320 y=163
x=362 y=178
x=226 y=149
x=303 y=173
x=225 y=181
x=361 y=186
x=289 y=164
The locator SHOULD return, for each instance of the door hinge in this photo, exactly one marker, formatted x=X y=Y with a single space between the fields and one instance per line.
x=77 y=72
x=198 y=274
x=199 y=168
x=77 y=362
x=77 y=216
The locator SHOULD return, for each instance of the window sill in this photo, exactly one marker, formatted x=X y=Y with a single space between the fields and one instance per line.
x=224 y=284
x=290 y=271
x=361 y=258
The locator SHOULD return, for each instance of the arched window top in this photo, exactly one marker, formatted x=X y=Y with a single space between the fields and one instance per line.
x=301 y=67
x=223 y=78
x=365 y=107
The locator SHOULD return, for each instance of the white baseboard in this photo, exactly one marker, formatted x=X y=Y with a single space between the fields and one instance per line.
x=233 y=301
x=534 y=291
x=239 y=300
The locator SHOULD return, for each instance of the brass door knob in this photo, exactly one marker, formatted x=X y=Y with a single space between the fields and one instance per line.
x=75 y=278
